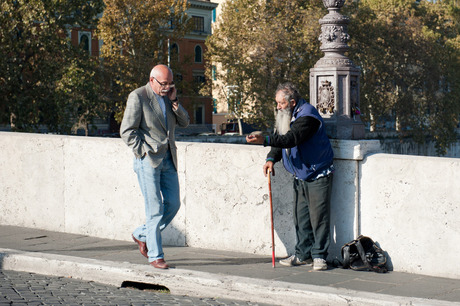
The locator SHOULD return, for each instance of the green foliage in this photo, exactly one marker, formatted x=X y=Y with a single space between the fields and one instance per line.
x=408 y=51
x=78 y=94
x=409 y=54
x=35 y=56
x=258 y=44
x=136 y=35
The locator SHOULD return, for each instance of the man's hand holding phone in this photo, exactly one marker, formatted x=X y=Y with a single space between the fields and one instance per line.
x=173 y=98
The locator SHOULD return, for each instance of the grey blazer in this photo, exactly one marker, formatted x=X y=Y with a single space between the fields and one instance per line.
x=144 y=129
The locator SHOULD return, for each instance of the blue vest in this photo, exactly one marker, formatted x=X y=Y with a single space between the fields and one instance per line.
x=308 y=159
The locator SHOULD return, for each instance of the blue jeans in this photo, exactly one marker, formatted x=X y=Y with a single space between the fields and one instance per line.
x=312 y=217
x=160 y=188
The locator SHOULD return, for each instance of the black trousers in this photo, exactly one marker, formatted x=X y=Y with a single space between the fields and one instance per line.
x=312 y=217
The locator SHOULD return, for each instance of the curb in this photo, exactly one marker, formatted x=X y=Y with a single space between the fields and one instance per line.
x=195 y=283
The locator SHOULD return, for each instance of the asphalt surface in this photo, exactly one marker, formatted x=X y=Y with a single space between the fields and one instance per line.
x=211 y=276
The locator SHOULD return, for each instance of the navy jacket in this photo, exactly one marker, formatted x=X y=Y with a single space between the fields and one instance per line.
x=305 y=149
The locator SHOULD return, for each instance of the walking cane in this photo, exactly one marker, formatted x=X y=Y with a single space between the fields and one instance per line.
x=271 y=218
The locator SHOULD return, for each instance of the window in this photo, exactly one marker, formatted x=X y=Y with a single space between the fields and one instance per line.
x=174 y=52
x=198 y=80
x=178 y=78
x=214 y=71
x=198 y=23
x=171 y=24
x=198 y=54
x=199 y=110
x=100 y=46
x=84 y=41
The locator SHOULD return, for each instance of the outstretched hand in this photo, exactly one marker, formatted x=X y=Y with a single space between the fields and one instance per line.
x=255 y=138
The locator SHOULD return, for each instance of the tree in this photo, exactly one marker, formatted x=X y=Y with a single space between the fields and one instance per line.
x=136 y=36
x=274 y=41
x=79 y=93
x=35 y=56
x=409 y=53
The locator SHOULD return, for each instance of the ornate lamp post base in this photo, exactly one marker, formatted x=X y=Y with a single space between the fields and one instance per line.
x=334 y=81
x=334 y=91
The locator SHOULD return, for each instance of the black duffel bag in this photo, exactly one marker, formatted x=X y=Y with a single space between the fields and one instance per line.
x=362 y=254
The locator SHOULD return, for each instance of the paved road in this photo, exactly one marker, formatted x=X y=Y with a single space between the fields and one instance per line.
x=22 y=288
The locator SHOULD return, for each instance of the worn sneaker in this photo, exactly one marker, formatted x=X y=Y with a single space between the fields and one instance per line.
x=295 y=261
x=319 y=264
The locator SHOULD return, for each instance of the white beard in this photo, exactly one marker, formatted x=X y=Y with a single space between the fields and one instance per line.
x=283 y=121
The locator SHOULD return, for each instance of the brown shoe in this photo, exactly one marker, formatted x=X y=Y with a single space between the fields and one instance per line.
x=160 y=264
x=142 y=246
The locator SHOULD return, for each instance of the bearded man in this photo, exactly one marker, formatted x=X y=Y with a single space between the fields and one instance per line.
x=300 y=140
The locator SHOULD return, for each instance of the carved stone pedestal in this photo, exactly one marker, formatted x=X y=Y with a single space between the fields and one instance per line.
x=334 y=81
x=334 y=91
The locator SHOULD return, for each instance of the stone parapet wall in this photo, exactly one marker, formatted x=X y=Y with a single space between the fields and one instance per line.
x=86 y=185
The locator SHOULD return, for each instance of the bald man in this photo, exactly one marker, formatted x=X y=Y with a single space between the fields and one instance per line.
x=152 y=113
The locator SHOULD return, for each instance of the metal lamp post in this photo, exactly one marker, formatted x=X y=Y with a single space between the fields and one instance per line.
x=334 y=80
